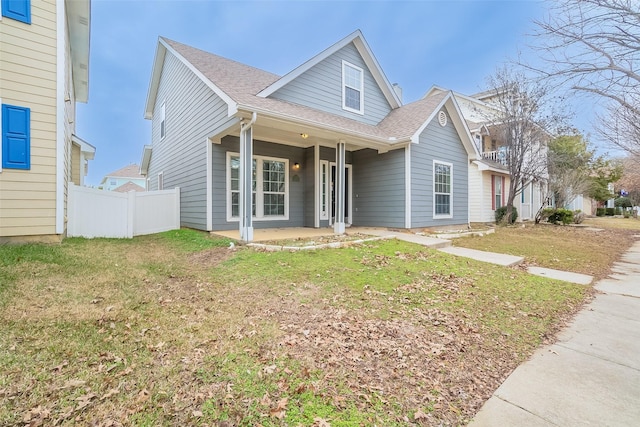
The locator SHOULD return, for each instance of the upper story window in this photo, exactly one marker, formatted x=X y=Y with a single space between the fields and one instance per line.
x=352 y=88
x=20 y=10
x=163 y=127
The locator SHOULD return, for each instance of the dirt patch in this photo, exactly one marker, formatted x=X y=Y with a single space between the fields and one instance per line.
x=210 y=257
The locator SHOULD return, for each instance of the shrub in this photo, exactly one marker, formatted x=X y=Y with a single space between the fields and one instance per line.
x=627 y=214
x=600 y=211
x=578 y=217
x=611 y=211
x=501 y=212
x=623 y=202
x=618 y=211
x=555 y=216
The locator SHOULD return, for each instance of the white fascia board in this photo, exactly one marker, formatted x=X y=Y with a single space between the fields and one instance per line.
x=163 y=48
x=79 y=24
x=146 y=158
x=482 y=166
x=462 y=128
x=415 y=138
x=87 y=149
x=292 y=75
x=61 y=28
x=367 y=55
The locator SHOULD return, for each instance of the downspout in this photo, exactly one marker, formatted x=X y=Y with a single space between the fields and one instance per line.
x=248 y=126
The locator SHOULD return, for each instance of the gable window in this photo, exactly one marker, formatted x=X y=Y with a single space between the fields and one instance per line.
x=20 y=10
x=16 y=137
x=442 y=190
x=270 y=199
x=497 y=192
x=352 y=88
x=163 y=129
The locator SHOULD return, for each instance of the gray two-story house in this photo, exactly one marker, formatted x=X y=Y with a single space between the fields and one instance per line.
x=328 y=144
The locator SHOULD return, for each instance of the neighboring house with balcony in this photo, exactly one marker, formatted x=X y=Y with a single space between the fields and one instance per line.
x=328 y=144
x=44 y=71
x=124 y=179
x=489 y=176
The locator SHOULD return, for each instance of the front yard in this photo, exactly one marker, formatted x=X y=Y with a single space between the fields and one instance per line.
x=178 y=329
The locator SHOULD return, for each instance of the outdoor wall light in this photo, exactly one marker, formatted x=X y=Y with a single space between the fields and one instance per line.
x=296 y=166
x=304 y=136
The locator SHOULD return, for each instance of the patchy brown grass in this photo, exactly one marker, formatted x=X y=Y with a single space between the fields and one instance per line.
x=589 y=249
x=177 y=329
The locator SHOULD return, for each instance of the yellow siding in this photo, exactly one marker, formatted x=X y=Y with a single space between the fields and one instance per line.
x=28 y=78
x=75 y=164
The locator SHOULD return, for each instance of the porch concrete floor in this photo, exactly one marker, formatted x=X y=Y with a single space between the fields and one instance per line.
x=266 y=234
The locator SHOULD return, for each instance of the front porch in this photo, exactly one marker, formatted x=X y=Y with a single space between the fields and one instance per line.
x=290 y=233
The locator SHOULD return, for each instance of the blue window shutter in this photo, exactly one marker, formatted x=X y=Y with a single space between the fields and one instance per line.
x=20 y=10
x=16 y=138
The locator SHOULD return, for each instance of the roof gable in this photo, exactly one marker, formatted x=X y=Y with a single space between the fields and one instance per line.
x=365 y=52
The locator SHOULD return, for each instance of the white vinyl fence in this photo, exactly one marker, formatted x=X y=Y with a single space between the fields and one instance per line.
x=101 y=213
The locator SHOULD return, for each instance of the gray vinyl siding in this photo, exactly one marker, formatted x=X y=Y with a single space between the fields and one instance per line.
x=309 y=186
x=320 y=87
x=192 y=110
x=440 y=144
x=379 y=188
x=260 y=148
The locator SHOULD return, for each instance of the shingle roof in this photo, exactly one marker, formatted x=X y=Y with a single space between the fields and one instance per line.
x=130 y=171
x=242 y=83
x=129 y=186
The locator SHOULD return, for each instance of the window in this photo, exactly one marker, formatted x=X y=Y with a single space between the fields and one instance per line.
x=112 y=182
x=497 y=190
x=442 y=174
x=20 y=10
x=270 y=197
x=352 y=88
x=161 y=181
x=16 y=138
x=163 y=129
x=324 y=189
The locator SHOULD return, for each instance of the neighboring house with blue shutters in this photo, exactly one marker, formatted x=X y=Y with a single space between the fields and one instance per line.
x=44 y=58
x=328 y=144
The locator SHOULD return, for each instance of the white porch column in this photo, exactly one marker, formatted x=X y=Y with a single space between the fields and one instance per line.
x=246 y=190
x=339 y=225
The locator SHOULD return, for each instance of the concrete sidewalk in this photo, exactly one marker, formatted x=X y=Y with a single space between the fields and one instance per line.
x=591 y=375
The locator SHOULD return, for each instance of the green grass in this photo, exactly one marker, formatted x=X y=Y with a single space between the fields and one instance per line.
x=178 y=329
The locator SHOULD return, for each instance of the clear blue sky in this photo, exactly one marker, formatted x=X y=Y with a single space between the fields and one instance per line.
x=454 y=44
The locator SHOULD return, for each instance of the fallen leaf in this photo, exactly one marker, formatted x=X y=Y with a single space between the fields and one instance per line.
x=110 y=393
x=279 y=411
x=197 y=414
x=419 y=415
x=320 y=422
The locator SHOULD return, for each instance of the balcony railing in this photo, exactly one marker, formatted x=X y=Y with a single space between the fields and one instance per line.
x=498 y=156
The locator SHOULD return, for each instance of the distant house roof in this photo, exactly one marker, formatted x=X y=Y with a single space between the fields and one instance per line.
x=130 y=171
x=129 y=186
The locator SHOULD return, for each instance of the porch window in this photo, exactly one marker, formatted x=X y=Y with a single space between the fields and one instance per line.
x=352 y=88
x=442 y=191
x=324 y=189
x=270 y=198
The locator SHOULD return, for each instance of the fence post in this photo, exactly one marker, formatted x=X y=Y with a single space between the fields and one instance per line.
x=177 y=207
x=131 y=212
x=71 y=219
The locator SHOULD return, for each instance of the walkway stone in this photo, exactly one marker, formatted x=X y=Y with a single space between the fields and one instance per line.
x=567 y=276
x=591 y=375
x=491 y=257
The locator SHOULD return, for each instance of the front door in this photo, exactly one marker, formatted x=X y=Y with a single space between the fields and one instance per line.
x=347 y=194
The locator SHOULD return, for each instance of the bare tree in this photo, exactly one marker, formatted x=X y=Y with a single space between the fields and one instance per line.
x=569 y=163
x=593 y=47
x=523 y=121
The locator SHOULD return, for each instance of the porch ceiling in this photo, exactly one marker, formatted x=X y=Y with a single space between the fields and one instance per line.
x=290 y=133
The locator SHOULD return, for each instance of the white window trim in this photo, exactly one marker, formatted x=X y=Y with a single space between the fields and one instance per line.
x=161 y=181
x=163 y=120
x=497 y=181
x=344 y=86
x=259 y=194
x=324 y=215
x=450 y=215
